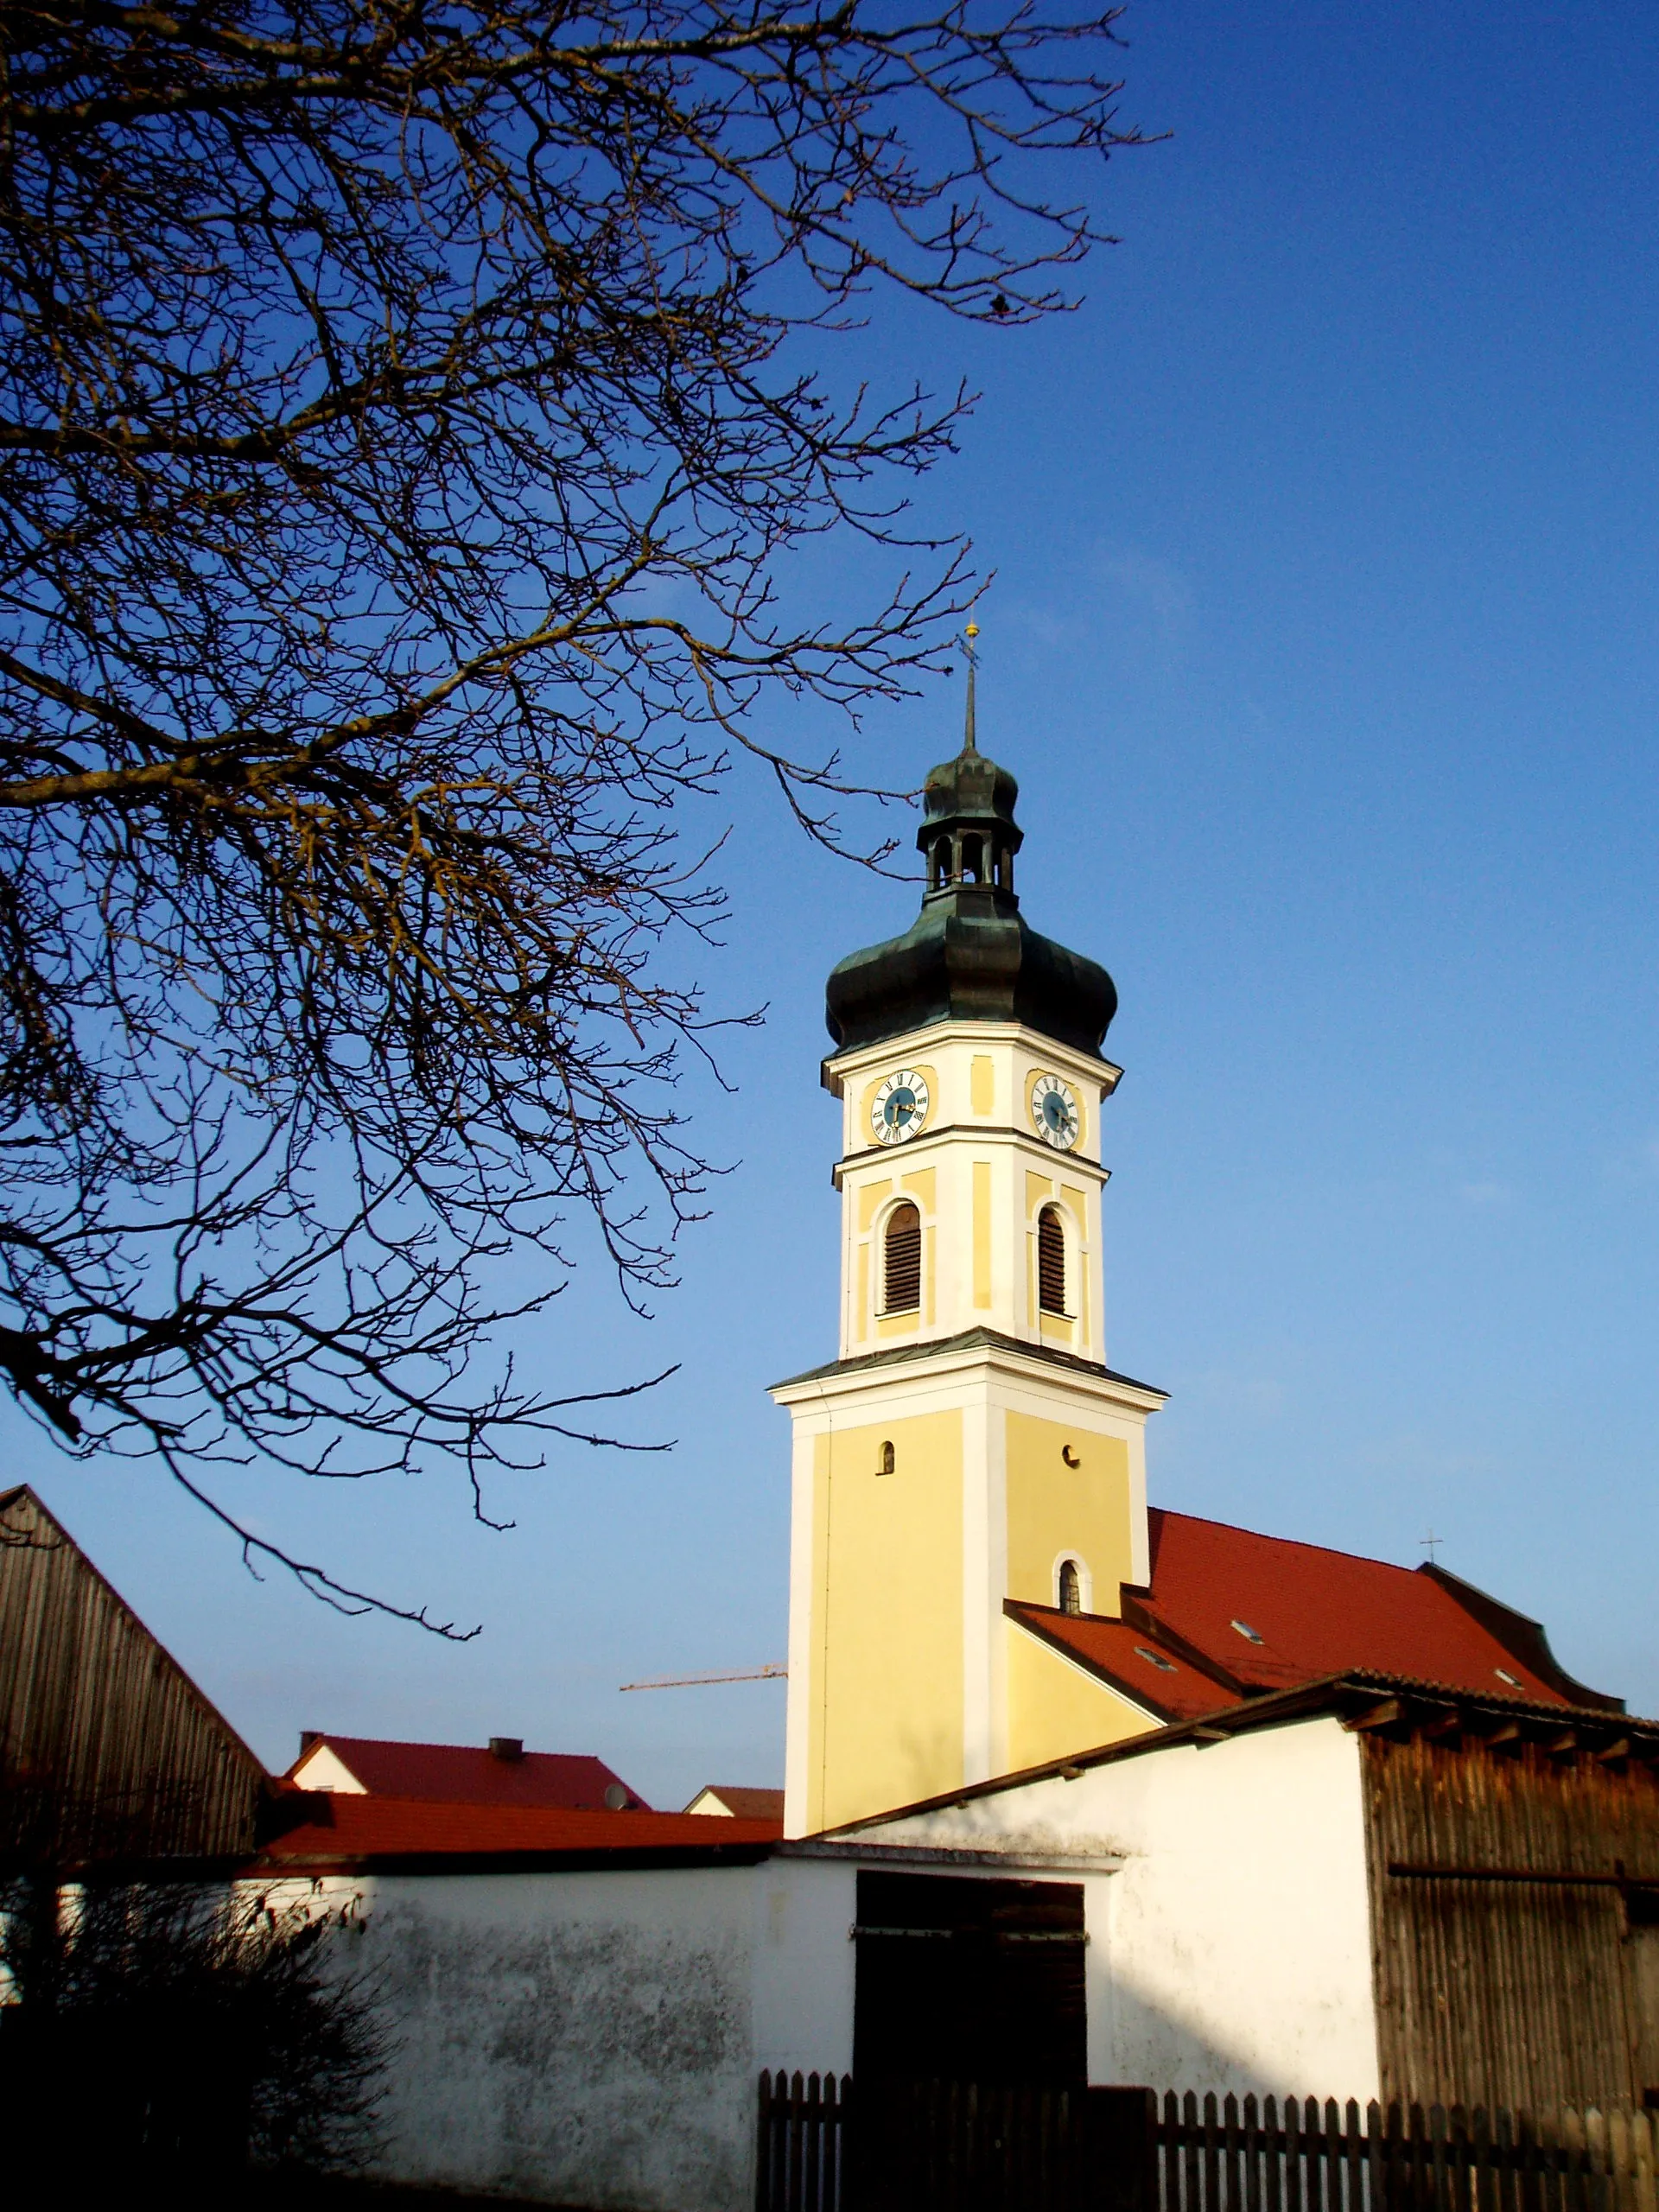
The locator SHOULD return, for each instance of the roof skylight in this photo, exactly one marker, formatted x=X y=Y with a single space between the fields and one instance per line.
x=1156 y=1658
x=1248 y=1632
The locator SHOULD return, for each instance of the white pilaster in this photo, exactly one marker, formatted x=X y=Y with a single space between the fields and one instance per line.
x=797 y=1729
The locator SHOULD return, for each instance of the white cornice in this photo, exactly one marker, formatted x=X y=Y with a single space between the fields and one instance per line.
x=908 y=1044
x=979 y=1133
x=852 y=1379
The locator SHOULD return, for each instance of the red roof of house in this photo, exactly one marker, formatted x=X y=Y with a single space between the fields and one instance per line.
x=467 y=1773
x=332 y=1829
x=1234 y=1614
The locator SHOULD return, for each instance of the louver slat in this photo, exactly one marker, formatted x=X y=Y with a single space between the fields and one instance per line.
x=1050 y=1262
x=901 y=1276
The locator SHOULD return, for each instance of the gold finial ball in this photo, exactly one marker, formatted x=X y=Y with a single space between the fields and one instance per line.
x=972 y=629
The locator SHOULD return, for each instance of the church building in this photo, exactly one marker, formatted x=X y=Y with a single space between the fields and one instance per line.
x=978 y=1582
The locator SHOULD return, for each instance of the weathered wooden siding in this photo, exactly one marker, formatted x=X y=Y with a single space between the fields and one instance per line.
x=1511 y=1992
x=107 y=1749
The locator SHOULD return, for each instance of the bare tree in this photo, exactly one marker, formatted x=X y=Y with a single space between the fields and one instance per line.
x=406 y=411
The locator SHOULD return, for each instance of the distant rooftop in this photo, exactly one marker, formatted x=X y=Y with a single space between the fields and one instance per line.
x=737 y=1803
x=499 y=1773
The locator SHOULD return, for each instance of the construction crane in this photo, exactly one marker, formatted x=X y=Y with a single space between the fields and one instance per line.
x=697 y=1682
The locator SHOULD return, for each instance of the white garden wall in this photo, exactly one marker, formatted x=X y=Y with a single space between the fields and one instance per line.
x=596 y=2039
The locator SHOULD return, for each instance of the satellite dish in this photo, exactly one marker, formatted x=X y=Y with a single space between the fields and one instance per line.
x=616 y=1797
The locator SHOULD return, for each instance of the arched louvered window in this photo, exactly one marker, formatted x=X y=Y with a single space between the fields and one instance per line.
x=1071 y=1587
x=901 y=1261
x=888 y=1460
x=1051 y=1261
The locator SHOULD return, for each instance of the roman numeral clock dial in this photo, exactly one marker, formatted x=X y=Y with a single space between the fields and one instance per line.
x=899 y=1110
x=1054 y=1113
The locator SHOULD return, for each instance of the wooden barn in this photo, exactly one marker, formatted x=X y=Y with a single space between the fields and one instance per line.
x=1514 y=1897
x=109 y=1753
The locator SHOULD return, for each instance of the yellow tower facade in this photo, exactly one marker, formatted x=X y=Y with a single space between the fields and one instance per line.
x=968 y=1451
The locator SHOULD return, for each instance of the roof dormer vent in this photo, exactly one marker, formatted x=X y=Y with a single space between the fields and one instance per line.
x=507 y=1747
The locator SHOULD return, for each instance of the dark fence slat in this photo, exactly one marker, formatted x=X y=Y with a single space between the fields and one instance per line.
x=1353 y=2157
x=1439 y=2170
x=1293 y=2199
x=1379 y=2198
x=1231 y=2155
x=1254 y=2155
x=1211 y=2155
x=1325 y=2176
x=1336 y=2156
x=1190 y=2185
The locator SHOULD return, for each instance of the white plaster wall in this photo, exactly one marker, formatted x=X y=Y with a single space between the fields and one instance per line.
x=596 y=2038
x=580 y=2038
x=1232 y=1950
x=804 y=1910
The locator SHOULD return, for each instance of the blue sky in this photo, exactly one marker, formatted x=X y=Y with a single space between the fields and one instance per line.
x=1325 y=643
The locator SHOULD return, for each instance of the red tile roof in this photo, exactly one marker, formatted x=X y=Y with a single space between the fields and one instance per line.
x=331 y=1829
x=467 y=1773
x=1239 y=1614
x=1128 y=1659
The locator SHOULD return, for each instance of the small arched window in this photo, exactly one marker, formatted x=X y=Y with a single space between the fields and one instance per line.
x=972 y=861
x=1050 y=1262
x=1071 y=1587
x=901 y=1261
x=886 y=1465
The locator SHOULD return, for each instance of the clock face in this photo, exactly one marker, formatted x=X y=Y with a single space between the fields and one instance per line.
x=899 y=1110
x=1054 y=1112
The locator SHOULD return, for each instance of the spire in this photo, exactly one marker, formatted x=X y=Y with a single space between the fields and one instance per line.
x=970 y=956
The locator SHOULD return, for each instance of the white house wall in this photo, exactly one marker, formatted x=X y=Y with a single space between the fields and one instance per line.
x=1234 y=1948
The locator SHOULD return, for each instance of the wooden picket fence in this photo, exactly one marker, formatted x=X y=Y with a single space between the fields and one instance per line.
x=1229 y=2155
x=801 y=2151
x=952 y=2146
x=962 y=2146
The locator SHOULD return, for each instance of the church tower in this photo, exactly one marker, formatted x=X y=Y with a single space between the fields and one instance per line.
x=969 y=1463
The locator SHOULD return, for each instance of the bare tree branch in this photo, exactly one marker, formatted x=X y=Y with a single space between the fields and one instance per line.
x=406 y=416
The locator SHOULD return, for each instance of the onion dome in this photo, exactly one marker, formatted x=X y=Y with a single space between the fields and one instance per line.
x=970 y=956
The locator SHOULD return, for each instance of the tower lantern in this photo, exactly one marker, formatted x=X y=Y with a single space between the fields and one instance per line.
x=969 y=1447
